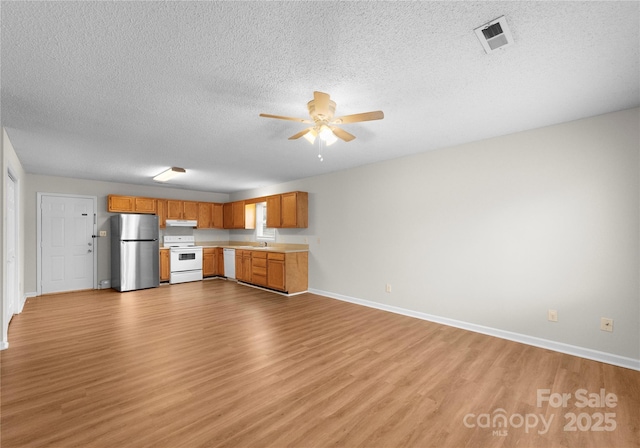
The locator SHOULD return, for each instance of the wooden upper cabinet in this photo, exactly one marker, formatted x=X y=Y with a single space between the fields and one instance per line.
x=205 y=215
x=121 y=203
x=190 y=210
x=217 y=217
x=182 y=209
x=174 y=209
x=130 y=204
x=288 y=210
x=238 y=214
x=283 y=210
x=294 y=209
x=274 y=214
x=161 y=211
x=233 y=215
x=227 y=215
x=145 y=205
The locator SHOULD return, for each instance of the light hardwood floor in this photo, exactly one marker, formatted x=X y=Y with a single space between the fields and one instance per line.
x=217 y=364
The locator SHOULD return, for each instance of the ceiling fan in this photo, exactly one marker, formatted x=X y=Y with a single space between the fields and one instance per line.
x=321 y=109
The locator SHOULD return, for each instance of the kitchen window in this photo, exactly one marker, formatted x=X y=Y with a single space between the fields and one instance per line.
x=263 y=233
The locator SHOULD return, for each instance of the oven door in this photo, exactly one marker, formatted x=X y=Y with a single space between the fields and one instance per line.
x=186 y=259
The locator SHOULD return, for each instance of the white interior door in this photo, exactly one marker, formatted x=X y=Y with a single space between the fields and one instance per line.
x=67 y=243
x=12 y=270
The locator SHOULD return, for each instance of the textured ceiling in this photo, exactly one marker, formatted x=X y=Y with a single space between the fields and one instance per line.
x=119 y=91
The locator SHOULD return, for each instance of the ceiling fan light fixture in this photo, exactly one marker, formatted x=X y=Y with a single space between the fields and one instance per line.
x=327 y=135
x=169 y=174
x=311 y=136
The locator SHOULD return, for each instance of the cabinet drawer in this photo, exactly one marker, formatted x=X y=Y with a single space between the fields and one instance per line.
x=259 y=271
x=257 y=254
x=259 y=279
x=259 y=262
x=276 y=256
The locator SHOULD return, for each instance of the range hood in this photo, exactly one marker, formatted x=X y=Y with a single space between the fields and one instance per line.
x=181 y=223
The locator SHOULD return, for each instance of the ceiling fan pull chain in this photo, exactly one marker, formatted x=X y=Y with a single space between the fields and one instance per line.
x=320 y=149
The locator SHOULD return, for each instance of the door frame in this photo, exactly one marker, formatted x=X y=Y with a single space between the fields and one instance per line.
x=39 y=236
x=16 y=305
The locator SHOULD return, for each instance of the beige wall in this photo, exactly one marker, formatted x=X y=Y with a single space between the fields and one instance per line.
x=61 y=185
x=493 y=233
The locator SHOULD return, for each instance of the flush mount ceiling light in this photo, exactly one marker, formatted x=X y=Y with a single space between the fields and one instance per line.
x=169 y=174
x=321 y=110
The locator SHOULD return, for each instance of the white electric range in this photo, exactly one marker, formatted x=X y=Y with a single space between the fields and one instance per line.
x=185 y=258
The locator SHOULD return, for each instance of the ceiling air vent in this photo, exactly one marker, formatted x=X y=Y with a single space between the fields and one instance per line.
x=494 y=35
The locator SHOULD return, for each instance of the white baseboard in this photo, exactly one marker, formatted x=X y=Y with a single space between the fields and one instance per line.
x=582 y=352
x=4 y=345
x=27 y=295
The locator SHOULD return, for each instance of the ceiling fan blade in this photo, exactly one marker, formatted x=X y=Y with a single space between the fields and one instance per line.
x=321 y=101
x=280 y=117
x=355 y=118
x=341 y=133
x=300 y=134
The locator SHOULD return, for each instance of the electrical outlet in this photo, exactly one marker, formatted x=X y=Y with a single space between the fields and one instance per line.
x=388 y=288
x=552 y=316
x=606 y=324
x=103 y=233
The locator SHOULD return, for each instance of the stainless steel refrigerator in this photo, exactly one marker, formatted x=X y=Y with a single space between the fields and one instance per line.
x=135 y=252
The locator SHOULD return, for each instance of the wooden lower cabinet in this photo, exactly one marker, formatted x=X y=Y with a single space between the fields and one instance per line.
x=212 y=262
x=258 y=268
x=275 y=271
x=165 y=267
x=243 y=266
x=285 y=272
x=209 y=262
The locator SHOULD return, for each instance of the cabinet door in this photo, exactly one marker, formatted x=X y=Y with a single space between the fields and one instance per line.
x=217 y=218
x=220 y=261
x=174 y=209
x=145 y=205
x=190 y=210
x=208 y=262
x=165 y=268
x=294 y=209
x=161 y=211
x=237 y=211
x=246 y=266
x=274 y=211
x=239 y=270
x=275 y=272
x=227 y=215
x=117 y=204
x=289 y=210
x=204 y=215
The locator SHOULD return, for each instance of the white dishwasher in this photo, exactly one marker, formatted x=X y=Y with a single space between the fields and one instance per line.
x=229 y=263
